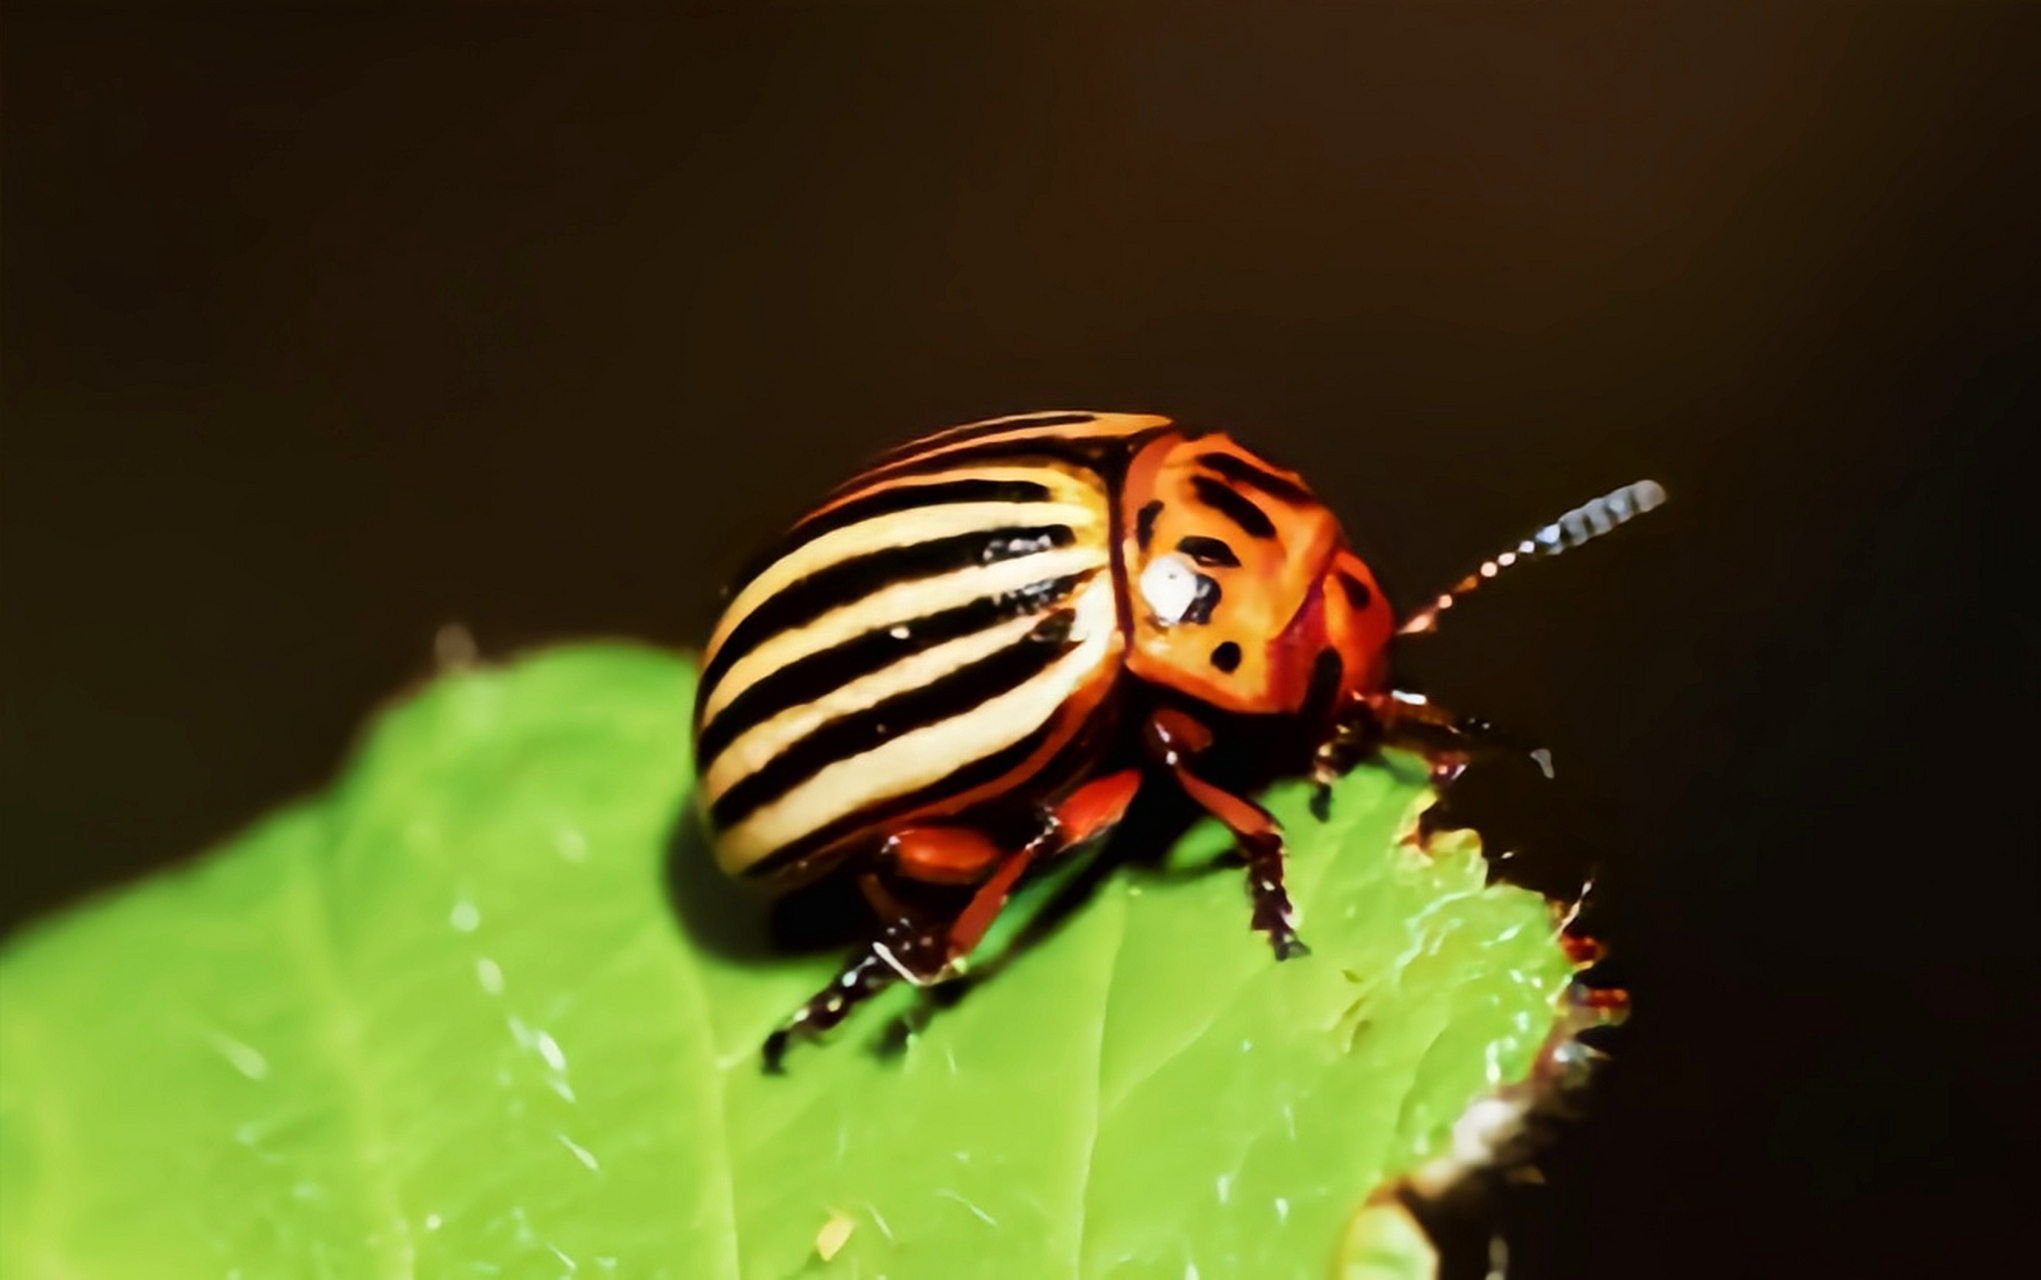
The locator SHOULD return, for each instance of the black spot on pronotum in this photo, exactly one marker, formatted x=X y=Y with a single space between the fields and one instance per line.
x=1234 y=505
x=1227 y=657
x=1144 y=523
x=1208 y=551
x=1240 y=469
x=1202 y=604
x=1357 y=592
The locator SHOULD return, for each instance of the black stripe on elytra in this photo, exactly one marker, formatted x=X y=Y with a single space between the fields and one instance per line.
x=1357 y=592
x=1208 y=551
x=957 y=435
x=976 y=774
x=849 y=581
x=1234 y=505
x=887 y=502
x=1144 y=523
x=1235 y=467
x=956 y=694
x=1077 y=753
x=805 y=679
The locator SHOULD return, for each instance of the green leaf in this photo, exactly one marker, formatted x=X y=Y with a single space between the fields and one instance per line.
x=444 y=1021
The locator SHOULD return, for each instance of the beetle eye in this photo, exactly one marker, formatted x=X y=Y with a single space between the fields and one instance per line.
x=1170 y=586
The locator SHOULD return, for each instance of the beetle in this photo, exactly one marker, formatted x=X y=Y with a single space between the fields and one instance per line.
x=974 y=653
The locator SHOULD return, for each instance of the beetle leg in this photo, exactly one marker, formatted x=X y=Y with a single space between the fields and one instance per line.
x=1095 y=807
x=1448 y=744
x=1083 y=814
x=1446 y=740
x=862 y=978
x=1174 y=737
x=927 y=953
x=1402 y=719
x=1352 y=740
x=942 y=855
x=1261 y=839
x=968 y=929
x=906 y=948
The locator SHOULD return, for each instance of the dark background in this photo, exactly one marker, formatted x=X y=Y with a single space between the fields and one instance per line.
x=321 y=331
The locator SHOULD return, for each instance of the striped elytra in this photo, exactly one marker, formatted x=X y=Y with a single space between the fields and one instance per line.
x=974 y=652
x=932 y=636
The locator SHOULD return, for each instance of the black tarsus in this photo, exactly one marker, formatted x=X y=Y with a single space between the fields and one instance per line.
x=917 y=948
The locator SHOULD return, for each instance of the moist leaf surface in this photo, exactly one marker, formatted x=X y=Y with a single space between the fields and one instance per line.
x=446 y=1020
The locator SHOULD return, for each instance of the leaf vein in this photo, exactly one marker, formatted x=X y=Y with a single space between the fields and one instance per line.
x=1105 y=1003
x=343 y=1045
x=717 y=1153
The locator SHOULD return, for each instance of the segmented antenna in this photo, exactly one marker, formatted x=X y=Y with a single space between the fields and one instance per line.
x=1584 y=523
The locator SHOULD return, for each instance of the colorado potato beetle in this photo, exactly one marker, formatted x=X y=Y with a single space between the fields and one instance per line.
x=975 y=652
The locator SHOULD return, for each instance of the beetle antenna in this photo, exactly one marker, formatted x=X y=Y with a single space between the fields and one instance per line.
x=1584 y=523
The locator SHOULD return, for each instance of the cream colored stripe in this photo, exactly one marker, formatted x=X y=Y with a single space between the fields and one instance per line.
x=1100 y=424
x=891 y=606
x=899 y=529
x=750 y=751
x=1063 y=486
x=931 y=753
x=1106 y=426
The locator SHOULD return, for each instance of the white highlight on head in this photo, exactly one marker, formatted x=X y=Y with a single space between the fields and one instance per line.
x=1170 y=586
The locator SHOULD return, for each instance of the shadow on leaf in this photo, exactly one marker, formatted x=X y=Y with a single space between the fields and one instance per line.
x=750 y=921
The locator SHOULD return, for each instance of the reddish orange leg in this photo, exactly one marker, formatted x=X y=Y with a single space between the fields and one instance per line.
x=942 y=855
x=925 y=952
x=1085 y=813
x=1174 y=737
